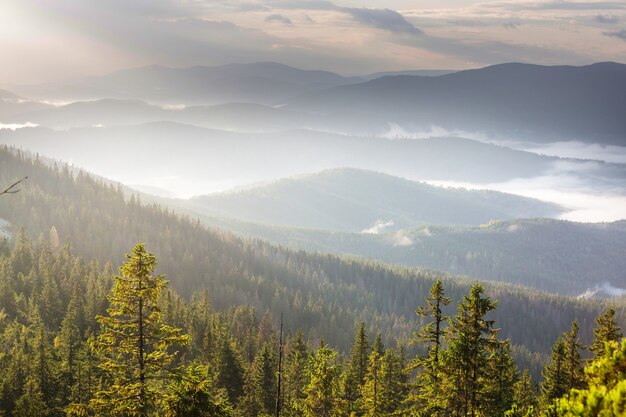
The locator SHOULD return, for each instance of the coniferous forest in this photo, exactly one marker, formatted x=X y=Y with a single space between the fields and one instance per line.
x=312 y=208
x=243 y=328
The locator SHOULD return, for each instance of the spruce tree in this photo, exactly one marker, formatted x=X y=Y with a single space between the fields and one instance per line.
x=193 y=394
x=555 y=383
x=357 y=368
x=606 y=331
x=606 y=392
x=372 y=404
x=384 y=390
x=426 y=395
x=322 y=392
x=467 y=357
x=296 y=378
x=573 y=360
x=135 y=344
x=230 y=371
x=503 y=375
x=524 y=395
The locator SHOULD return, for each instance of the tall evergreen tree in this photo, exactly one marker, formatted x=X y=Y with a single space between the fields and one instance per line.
x=384 y=390
x=322 y=394
x=296 y=378
x=357 y=368
x=573 y=360
x=555 y=383
x=503 y=375
x=426 y=393
x=230 y=371
x=524 y=395
x=134 y=342
x=606 y=392
x=606 y=331
x=467 y=357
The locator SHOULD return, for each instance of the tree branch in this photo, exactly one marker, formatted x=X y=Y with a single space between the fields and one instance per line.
x=11 y=188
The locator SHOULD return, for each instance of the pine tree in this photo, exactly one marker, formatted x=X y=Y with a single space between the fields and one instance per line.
x=372 y=404
x=467 y=356
x=427 y=394
x=555 y=383
x=322 y=392
x=357 y=368
x=262 y=385
x=193 y=394
x=573 y=361
x=606 y=392
x=296 y=378
x=230 y=371
x=606 y=331
x=503 y=375
x=524 y=395
x=433 y=332
x=134 y=342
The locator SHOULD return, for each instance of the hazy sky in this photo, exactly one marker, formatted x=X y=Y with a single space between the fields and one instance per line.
x=54 y=40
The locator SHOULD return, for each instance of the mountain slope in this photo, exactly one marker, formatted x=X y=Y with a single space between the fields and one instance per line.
x=262 y=82
x=354 y=200
x=533 y=102
x=561 y=257
x=324 y=294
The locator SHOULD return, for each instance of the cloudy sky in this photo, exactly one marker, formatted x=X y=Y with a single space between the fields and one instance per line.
x=57 y=40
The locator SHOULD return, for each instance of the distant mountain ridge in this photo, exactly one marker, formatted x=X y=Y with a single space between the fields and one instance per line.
x=515 y=101
x=261 y=82
x=520 y=100
x=354 y=200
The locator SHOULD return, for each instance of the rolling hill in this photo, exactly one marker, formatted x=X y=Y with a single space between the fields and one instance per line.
x=356 y=200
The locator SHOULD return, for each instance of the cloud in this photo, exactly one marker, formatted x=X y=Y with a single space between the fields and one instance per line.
x=378 y=227
x=278 y=18
x=579 y=150
x=621 y=34
x=554 y=5
x=402 y=238
x=385 y=19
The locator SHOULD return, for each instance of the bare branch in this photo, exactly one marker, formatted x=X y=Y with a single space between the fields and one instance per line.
x=11 y=188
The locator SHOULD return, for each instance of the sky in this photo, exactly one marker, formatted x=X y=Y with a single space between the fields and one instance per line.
x=61 y=40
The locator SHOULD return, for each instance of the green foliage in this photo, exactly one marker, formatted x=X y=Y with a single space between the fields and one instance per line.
x=606 y=394
x=606 y=331
x=193 y=394
x=322 y=393
x=466 y=360
x=357 y=368
x=134 y=343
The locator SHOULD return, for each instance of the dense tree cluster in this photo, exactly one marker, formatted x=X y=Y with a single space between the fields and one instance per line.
x=79 y=340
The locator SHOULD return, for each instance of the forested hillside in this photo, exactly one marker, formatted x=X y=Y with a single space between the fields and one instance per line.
x=324 y=294
x=356 y=200
x=80 y=340
x=546 y=254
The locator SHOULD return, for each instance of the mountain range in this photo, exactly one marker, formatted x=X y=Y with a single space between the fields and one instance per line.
x=199 y=159
x=508 y=101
